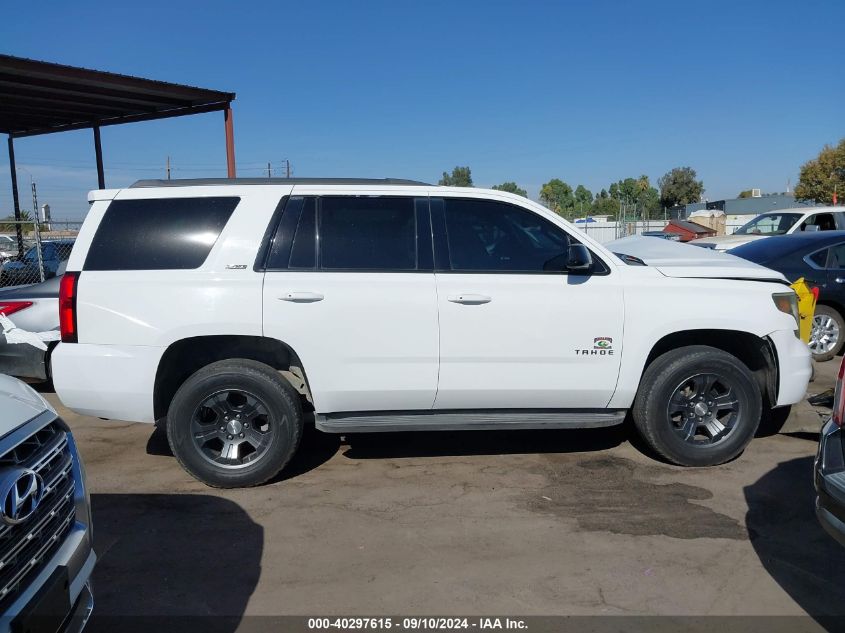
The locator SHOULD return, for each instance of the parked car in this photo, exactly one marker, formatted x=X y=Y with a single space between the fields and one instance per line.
x=829 y=466
x=46 y=550
x=818 y=257
x=25 y=271
x=8 y=247
x=185 y=301
x=783 y=222
x=32 y=309
x=675 y=237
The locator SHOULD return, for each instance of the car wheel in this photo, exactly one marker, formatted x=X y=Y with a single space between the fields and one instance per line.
x=234 y=423
x=697 y=406
x=828 y=334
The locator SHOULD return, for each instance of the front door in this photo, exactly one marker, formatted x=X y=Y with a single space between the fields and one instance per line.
x=516 y=331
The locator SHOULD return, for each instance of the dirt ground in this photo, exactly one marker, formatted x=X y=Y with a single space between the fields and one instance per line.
x=521 y=523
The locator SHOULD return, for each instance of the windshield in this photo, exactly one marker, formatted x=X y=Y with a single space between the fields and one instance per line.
x=769 y=224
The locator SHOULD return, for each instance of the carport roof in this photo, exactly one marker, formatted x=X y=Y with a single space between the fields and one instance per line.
x=42 y=97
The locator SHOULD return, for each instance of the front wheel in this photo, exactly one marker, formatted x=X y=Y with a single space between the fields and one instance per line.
x=234 y=423
x=697 y=406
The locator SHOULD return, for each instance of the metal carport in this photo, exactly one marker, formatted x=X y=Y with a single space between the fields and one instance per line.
x=42 y=98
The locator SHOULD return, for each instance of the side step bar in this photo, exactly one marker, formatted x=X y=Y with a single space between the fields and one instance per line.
x=468 y=420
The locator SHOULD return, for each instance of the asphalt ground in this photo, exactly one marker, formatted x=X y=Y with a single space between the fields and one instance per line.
x=578 y=523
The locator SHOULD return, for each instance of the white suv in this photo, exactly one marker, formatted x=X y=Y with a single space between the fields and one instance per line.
x=229 y=308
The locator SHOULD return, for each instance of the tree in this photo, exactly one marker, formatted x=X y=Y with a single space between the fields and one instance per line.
x=460 y=177
x=511 y=187
x=745 y=194
x=823 y=175
x=638 y=196
x=679 y=186
x=557 y=195
x=583 y=197
x=605 y=206
x=8 y=225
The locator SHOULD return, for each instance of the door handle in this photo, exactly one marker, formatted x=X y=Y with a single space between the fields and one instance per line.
x=469 y=299
x=302 y=297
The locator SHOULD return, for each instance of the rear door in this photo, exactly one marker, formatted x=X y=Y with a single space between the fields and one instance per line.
x=834 y=289
x=516 y=331
x=349 y=285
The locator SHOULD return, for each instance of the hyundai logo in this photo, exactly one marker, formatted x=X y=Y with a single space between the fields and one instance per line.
x=21 y=490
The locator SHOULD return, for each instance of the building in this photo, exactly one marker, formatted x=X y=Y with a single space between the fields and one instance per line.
x=748 y=207
x=688 y=230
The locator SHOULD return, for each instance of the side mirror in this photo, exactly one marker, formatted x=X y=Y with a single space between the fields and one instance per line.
x=579 y=259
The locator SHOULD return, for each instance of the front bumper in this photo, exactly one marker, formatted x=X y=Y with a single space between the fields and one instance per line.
x=80 y=612
x=829 y=479
x=795 y=367
x=76 y=553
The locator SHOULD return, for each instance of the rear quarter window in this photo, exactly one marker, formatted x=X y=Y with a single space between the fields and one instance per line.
x=158 y=233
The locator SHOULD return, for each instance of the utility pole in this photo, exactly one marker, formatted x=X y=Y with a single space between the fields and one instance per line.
x=168 y=167
x=36 y=228
x=287 y=168
x=268 y=171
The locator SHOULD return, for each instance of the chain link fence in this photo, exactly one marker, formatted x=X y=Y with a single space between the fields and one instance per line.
x=33 y=251
x=608 y=231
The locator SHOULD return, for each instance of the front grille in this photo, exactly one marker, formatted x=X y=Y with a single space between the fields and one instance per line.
x=25 y=547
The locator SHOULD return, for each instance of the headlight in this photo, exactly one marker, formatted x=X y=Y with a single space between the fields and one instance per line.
x=787 y=302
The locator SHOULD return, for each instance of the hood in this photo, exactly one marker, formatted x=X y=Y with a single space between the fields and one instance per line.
x=18 y=403
x=676 y=259
x=727 y=242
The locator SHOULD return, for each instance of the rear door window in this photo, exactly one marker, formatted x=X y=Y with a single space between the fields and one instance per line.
x=837 y=256
x=158 y=233
x=367 y=233
x=819 y=258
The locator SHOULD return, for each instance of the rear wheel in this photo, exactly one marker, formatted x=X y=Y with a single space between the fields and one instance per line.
x=828 y=334
x=234 y=423
x=697 y=406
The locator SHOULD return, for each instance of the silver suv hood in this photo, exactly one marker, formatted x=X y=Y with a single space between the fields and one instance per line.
x=19 y=403
x=676 y=259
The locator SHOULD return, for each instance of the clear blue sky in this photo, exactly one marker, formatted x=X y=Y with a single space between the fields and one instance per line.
x=589 y=92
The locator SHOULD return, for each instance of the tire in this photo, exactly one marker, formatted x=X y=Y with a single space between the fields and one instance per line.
x=232 y=394
x=674 y=391
x=828 y=335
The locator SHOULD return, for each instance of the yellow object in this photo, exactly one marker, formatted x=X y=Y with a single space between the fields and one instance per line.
x=806 y=308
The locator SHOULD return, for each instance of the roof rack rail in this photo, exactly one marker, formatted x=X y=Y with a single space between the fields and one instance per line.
x=193 y=182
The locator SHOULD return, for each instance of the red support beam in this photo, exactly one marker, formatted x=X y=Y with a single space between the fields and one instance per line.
x=230 y=142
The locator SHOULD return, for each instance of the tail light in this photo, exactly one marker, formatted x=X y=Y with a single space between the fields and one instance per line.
x=67 y=307
x=839 y=398
x=10 y=307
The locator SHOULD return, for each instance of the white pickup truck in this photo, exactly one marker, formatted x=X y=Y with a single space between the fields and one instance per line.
x=228 y=310
x=781 y=222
